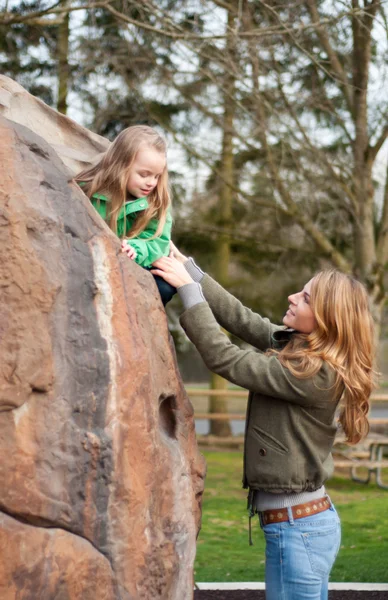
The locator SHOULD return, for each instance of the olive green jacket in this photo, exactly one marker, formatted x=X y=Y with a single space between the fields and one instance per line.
x=290 y=428
x=147 y=250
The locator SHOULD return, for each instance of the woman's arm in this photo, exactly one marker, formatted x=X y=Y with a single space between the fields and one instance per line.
x=236 y=318
x=230 y=313
x=252 y=370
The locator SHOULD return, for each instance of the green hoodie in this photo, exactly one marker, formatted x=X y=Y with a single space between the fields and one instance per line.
x=147 y=250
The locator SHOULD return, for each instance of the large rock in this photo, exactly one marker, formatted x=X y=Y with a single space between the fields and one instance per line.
x=76 y=146
x=100 y=476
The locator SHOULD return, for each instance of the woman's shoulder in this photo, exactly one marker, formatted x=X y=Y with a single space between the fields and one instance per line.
x=319 y=385
x=325 y=380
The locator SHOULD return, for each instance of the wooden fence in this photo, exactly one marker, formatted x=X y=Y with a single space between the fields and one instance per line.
x=192 y=392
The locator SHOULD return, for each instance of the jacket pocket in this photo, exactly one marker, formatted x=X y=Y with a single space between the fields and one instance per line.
x=268 y=440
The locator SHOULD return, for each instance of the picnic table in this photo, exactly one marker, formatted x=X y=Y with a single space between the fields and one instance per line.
x=369 y=455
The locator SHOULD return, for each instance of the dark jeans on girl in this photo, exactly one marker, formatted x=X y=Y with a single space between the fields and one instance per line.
x=166 y=290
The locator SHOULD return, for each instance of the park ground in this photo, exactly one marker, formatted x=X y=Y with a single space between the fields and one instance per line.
x=260 y=595
x=223 y=553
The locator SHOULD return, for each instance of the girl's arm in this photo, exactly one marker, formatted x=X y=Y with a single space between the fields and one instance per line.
x=249 y=369
x=148 y=250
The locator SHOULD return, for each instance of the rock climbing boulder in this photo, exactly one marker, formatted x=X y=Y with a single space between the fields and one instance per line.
x=100 y=475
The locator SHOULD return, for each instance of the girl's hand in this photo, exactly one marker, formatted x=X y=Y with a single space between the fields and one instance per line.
x=129 y=251
x=172 y=271
x=175 y=253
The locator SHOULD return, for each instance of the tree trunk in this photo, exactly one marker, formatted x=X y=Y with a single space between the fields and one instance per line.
x=63 y=61
x=364 y=242
x=219 y=404
x=379 y=294
x=369 y=257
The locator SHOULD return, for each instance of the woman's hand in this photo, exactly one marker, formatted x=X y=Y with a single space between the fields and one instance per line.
x=175 y=253
x=172 y=271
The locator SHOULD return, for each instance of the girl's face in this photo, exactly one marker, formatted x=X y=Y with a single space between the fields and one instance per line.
x=146 y=169
x=300 y=315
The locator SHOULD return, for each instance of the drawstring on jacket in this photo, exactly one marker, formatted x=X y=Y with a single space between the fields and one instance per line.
x=251 y=512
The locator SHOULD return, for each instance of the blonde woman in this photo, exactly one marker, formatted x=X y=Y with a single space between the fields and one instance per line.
x=129 y=189
x=297 y=376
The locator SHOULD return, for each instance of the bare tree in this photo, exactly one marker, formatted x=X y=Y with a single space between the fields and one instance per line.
x=305 y=112
x=299 y=118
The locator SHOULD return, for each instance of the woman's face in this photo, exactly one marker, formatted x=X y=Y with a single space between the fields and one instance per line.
x=299 y=315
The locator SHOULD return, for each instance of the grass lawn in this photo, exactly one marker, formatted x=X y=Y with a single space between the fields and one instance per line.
x=223 y=553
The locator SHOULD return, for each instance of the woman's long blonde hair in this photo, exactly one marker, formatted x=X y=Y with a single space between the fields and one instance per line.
x=343 y=338
x=110 y=175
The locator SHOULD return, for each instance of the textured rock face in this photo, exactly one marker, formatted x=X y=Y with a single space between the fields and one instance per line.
x=100 y=477
x=76 y=146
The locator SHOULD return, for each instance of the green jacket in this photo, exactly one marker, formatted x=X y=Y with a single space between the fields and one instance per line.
x=147 y=251
x=290 y=422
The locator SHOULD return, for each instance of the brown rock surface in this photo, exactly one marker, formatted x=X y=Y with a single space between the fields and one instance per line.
x=76 y=146
x=100 y=477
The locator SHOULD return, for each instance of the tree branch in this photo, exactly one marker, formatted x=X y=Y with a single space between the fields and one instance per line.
x=334 y=60
x=374 y=150
x=10 y=18
x=382 y=244
x=304 y=221
x=238 y=236
x=202 y=159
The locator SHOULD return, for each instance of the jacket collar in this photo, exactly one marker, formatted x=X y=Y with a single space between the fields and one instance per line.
x=130 y=207
x=281 y=337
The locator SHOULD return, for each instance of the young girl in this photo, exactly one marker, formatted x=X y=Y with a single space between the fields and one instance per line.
x=296 y=376
x=129 y=189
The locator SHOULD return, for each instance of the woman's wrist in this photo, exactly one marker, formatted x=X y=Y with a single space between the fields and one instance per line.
x=193 y=270
x=184 y=279
x=191 y=294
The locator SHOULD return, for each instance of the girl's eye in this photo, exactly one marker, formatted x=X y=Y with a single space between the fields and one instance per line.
x=144 y=175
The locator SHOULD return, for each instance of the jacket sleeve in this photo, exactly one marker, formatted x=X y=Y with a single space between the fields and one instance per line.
x=250 y=369
x=149 y=250
x=236 y=318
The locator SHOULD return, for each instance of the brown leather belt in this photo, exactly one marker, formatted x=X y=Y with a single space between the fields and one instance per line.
x=298 y=511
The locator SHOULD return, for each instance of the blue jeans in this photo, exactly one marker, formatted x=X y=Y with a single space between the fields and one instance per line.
x=299 y=556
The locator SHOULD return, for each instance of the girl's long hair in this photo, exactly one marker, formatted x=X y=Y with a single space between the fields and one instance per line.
x=110 y=175
x=343 y=338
